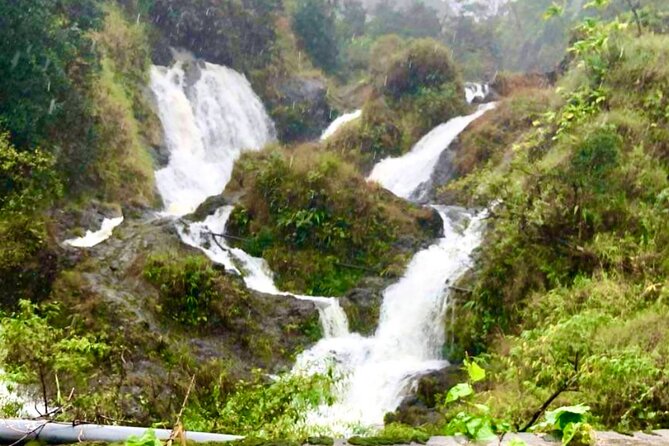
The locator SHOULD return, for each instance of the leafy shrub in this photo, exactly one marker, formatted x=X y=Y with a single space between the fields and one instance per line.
x=186 y=286
x=424 y=64
x=36 y=352
x=28 y=183
x=267 y=409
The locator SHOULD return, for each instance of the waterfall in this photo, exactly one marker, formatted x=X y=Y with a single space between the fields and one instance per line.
x=403 y=175
x=339 y=122
x=254 y=270
x=474 y=91
x=210 y=115
x=380 y=370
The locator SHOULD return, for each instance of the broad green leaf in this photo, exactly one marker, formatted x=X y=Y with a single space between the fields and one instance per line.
x=475 y=372
x=459 y=391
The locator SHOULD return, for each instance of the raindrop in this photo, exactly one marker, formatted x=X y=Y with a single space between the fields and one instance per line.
x=52 y=106
x=15 y=59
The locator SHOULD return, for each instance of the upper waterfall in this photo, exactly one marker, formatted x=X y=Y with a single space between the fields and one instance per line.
x=403 y=175
x=339 y=122
x=209 y=114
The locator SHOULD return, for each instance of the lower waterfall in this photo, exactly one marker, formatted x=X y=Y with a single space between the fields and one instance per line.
x=377 y=372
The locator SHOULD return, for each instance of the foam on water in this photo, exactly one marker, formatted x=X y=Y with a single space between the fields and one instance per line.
x=93 y=238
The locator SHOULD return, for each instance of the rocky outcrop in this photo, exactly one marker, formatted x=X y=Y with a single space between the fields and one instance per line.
x=302 y=110
x=362 y=305
x=420 y=408
x=109 y=292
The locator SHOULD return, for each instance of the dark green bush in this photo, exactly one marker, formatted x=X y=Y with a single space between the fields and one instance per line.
x=187 y=286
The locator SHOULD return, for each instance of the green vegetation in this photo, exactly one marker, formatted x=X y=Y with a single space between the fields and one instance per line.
x=74 y=127
x=568 y=316
x=197 y=294
x=262 y=409
x=414 y=89
x=314 y=24
x=36 y=352
x=318 y=223
x=569 y=295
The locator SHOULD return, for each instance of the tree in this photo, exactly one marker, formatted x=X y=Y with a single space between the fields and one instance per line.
x=38 y=354
x=353 y=18
x=44 y=54
x=314 y=24
x=416 y=20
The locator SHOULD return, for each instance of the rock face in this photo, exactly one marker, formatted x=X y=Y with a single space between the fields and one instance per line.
x=302 y=110
x=363 y=305
x=107 y=288
x=419 y=409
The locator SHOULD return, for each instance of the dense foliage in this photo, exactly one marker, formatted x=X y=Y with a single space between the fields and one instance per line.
x=570 y=287
x=314 y=24
x=318 y=223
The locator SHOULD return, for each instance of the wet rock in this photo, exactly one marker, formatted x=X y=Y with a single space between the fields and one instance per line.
x=419 y=409
x=302 y=110
x=210 y=205
x=362 y=305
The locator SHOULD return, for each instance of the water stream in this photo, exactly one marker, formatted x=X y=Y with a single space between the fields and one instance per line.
x=210 y=116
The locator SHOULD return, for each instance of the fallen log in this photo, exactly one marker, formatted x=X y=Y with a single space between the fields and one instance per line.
x=14 y=431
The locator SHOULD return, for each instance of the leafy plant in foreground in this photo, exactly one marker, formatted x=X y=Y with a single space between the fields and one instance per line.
x=569 y=422
x=477 y=423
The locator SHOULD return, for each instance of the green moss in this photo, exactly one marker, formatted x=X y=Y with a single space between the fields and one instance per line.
x=392 y=434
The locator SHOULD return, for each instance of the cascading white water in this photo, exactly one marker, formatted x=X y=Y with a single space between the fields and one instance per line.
x=254 y=270
x=93 y=238
x=209 y=114
x=404 y=174
x=380 y=370
x=339 y=122
x=474 y=91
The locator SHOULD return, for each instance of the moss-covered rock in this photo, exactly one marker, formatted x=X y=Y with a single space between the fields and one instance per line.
x=319 y=224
